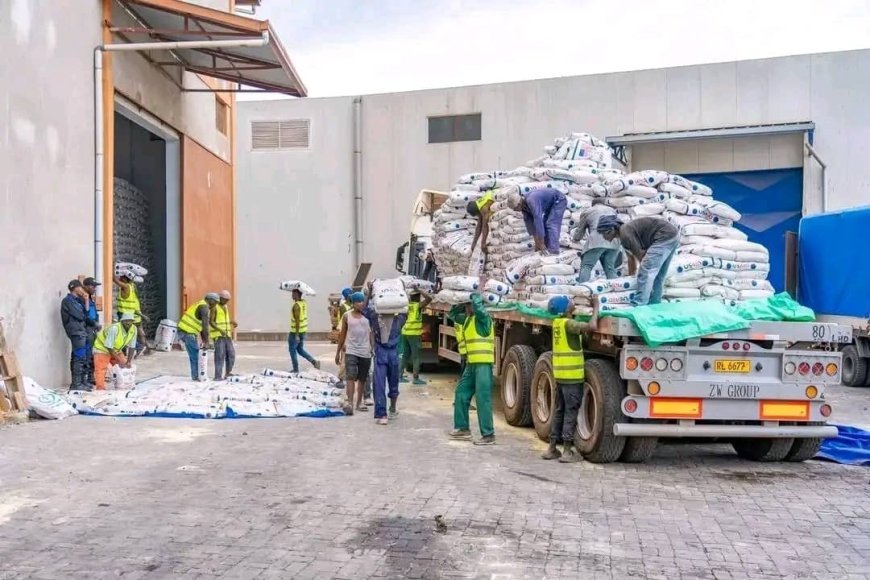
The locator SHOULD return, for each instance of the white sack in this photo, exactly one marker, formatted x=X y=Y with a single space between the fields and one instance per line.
x=45 y=403
x=291 y=285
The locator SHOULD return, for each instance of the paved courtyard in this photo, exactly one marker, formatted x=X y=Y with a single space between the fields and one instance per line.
x=345 y=498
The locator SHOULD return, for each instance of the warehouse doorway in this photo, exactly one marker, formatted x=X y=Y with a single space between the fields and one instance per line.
x=771 y=204
x=147 y=202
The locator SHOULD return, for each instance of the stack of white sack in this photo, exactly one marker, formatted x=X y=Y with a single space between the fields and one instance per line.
x=413 y=284
x=291 y=285
x=131 y=270
x=453 y=230
x=457 y=289
x=389 y=296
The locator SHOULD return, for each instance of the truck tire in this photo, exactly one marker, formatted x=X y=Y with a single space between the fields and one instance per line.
x=804 y=449
x=600 y=411
x=543 y=396
x=765 y=450
x=638 y=449
x=854 y=367
x=518 y=369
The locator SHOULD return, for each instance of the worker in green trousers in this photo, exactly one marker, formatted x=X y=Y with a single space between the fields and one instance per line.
x=479 y=333
x=412 y=336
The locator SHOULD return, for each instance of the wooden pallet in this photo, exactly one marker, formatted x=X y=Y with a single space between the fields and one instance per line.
x=10 y=374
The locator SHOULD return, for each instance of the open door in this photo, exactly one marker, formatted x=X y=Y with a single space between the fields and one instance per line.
x=208 y=231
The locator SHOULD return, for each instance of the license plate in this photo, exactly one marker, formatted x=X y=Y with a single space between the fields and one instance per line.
x=732 y=366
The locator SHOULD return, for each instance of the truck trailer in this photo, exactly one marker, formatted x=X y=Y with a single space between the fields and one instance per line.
x=833 y=278
x=762 y=388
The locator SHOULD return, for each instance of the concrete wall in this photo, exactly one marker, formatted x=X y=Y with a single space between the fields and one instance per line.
x=520 y=118
x=46 y=172
x=294 y=214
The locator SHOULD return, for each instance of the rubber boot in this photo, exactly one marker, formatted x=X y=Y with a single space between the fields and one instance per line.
x=552 y=452
x=78 y=375
x=569 y=454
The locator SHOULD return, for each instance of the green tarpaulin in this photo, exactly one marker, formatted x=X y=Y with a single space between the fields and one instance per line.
x=678 y=321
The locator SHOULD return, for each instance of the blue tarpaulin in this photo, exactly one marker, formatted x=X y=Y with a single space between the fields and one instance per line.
x=834 y=266
x=851 y=447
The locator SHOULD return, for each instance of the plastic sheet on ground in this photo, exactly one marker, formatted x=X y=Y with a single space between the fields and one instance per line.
x=272 y=394
x=851 y=447
x=675 y=322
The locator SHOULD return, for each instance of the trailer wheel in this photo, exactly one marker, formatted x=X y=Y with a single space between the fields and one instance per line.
x=516 y=380
x=804 y=449
x=638 y=449
x=763 y=449
x=854 y=367
x=543 y=397
x=600 y=411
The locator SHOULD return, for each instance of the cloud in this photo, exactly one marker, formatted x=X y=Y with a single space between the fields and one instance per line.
x=349 y=47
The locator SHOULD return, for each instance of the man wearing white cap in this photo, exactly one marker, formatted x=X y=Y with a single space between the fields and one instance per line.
x=194 y=326
x=114 y=344
x=221 y=333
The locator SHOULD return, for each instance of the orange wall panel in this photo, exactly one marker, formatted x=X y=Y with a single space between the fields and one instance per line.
x=208 y=241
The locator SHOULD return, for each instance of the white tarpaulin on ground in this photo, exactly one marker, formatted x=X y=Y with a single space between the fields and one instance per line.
x=272 y=394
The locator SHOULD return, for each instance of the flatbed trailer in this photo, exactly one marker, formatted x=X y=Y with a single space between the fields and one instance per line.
x=762 y=388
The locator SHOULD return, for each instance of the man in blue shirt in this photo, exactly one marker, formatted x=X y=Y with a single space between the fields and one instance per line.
x=74 y=317
x=90 y=286
x=387 y=329
x=543 y=211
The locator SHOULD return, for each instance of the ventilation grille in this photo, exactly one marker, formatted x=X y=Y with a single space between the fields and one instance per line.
x=290 y=134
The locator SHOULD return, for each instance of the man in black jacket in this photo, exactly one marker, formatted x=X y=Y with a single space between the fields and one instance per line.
x=74 y=317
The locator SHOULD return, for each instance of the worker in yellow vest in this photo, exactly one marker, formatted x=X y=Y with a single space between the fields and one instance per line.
x=478 y=332
x=569 y=371
x=298 y=329
x=193 y=329
x=128 y=301
x=412 y=336
x=481 y=209
x=221 y=335
x=461 y=347
x=114 y=344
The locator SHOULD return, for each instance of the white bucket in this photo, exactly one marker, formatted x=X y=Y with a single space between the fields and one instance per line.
x=203 y=364
x=167 y=330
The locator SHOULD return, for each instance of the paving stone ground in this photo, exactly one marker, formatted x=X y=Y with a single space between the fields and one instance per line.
x=345 y=498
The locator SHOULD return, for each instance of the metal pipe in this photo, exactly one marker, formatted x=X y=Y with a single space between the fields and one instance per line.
x=741 y=431
x=811 y=152
x=357 y=183
x=99 y=154
x=98 y=169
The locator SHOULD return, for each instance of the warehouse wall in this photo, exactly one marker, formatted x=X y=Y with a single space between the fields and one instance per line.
x=294 y=213
x=46 y=172
x=518 y=119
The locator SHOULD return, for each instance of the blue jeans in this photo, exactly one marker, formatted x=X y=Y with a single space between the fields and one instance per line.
x=608 y=257
x=296 y=344
x=386 y=361
x=553 y=224
x=652 y=272
x=191 y=345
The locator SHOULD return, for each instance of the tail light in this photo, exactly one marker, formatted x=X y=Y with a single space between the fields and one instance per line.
x=631 y=363
x=831 y=369
x=676 y=365
x=804 y=368
x=661 y=365
x=726 y=345
x=790 y=368
x=825 y=410
x=745 y=346
x=818 y=368
x=646 y=363
x=630 y=406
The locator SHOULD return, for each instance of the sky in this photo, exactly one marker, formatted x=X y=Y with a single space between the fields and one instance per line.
x=356 y=47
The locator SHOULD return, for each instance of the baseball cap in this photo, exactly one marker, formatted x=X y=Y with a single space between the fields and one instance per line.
x=73 y=284
x=90 y=282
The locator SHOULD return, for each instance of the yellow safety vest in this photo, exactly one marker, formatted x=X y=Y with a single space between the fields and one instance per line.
x=568 y=362
x=343 y=308
x=189 y=322
x=122 y=338
x=414 y=323
x=484 y=199
x=303 y=317
x=480 y=349
x=130 y=303
x=460 y=339
x=222 y=321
